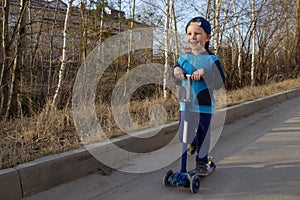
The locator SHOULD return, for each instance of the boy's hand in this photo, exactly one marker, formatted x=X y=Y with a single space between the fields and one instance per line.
x=196 y=76
x=178 y=73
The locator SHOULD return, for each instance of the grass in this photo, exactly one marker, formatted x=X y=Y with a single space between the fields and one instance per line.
x=51 y=132
x=249 y=93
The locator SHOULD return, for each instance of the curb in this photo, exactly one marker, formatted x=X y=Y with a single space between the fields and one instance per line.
x=245 y=109
x=10 y=187
x=44 y=173
x=50 y=171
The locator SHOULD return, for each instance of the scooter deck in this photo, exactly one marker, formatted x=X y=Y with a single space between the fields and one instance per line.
x=182 y=179
x=210 y=170
x=187 y=179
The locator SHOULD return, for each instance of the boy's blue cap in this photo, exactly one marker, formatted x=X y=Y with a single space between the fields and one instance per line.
x=202 y=23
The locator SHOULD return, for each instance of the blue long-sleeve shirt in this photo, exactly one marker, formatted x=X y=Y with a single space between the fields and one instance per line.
x=202 y=97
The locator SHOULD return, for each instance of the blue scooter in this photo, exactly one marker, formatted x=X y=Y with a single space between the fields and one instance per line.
x=184 y=178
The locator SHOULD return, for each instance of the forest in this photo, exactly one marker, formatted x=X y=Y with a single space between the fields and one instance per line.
x=43 y=43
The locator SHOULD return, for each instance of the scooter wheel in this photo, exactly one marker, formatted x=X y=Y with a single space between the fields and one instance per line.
x=213 y=165
x=194 y=184
x=166 y=178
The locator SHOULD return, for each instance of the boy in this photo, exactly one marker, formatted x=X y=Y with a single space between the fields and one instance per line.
x=206 y=75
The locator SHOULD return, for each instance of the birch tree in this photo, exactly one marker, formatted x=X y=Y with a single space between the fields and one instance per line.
x=208 y=8
x=130 y=53
x=175 y=30
x=239 y=46
x=63 y=58
x=253 y=42
x=101 y=21
x=84 y=28
x=166 y=44
x=119 y=40
x=131 y=35
x=297 y=35
x=217 y=26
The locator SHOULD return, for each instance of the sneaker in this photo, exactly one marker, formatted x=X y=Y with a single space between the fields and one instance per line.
x=201 y=168
x=191 y=149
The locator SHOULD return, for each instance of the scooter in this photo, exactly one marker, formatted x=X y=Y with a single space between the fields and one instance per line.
x=183 y=178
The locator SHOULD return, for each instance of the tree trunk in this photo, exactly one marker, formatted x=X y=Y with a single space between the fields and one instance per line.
x=131 y=35
x=239 y=52
x=175 y=31
x=101 y=21
x=63 y=59
x=297 y=40
x=119 y=40
x=166 y=42
x=4 y=74
x=253 y=44
x=51 y=47
x=130 y=45
x=217 y=26
x=207 y=15
x=84 y=22
x=14 y=89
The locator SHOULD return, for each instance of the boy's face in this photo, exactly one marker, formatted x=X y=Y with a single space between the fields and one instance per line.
x=196 y=36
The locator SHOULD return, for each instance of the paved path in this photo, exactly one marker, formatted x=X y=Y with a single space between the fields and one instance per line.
x=257 y=157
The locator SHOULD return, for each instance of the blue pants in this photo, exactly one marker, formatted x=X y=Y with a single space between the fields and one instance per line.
x=199 y=126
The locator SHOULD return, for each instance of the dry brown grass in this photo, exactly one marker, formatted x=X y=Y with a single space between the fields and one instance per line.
x=251 y=93
x=51 y=132
x=25 y=139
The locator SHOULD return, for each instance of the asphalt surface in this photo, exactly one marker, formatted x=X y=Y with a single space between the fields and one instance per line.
x=257 y=157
